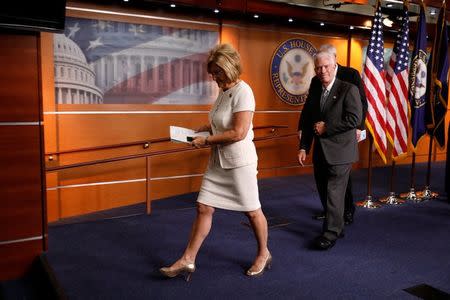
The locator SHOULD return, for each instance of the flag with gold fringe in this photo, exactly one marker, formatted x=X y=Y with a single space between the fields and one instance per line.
x=373 y=78
x=418 y=80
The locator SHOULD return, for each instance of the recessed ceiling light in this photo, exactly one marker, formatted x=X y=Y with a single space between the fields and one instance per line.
x=290 y=20
x=173 y=5
x=255 y=16
x=322 y=24
x=125 y=0
x=216 y=11
x=351 y=27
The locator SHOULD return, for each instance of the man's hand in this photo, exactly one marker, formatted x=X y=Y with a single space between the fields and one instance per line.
x=320 y=128
x=358 y=134
x=301 y=157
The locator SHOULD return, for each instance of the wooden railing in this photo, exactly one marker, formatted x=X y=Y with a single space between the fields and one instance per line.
x=148 y=155
x=145 y=143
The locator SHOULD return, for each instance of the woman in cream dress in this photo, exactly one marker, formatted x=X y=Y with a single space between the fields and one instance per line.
x=230 y=181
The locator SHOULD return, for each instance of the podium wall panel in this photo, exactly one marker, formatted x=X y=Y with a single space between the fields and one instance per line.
x=186 y=163
x=19 y=80
x=91 y=198
x=20 y=182
x=164 y=188
x=81 y=130
x=107 y=172
x=17 y=258
x=23 y=223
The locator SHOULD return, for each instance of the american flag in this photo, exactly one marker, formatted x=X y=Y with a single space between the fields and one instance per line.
x=373 y=79
x=140 y=63
x=397 y=90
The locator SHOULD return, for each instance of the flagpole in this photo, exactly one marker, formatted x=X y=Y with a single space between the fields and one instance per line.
x=427 y=194
x=397 y=104
x=368 y=203
x=392 y=199
x=418 y=96
x=411 y=195
x=439 y=40
x=373 y=77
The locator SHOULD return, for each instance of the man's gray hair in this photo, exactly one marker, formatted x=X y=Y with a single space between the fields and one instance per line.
x=328 y=48
x=322 y=53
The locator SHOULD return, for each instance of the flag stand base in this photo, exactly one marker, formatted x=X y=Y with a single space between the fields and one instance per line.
x=427 y=194
x=368 y=203
x=411 y=196
x=392 y=199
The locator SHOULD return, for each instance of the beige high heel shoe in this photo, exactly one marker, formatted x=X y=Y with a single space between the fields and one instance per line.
x=267 y=265
x=186 y=270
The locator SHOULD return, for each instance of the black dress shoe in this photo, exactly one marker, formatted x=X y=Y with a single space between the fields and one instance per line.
x=319 y=216
x=348 y=218
x=322 y=243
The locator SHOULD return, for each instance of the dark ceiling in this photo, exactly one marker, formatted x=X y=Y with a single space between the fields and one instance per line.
x=305 y=14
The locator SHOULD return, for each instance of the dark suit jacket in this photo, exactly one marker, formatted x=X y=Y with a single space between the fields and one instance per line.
x=349 y=75
x=342 y=114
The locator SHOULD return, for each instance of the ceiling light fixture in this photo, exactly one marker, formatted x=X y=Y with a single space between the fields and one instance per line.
x=216 y=11
x=433 y=12
x=255 y=16
x=322 y=24
x=351 y=27
x=290 y=20
x=173 y=5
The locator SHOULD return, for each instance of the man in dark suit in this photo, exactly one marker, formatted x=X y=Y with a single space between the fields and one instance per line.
x=333 y=113
x=349 y=75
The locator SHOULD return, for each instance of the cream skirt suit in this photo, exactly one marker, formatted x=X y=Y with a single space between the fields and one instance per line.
x=230 y=181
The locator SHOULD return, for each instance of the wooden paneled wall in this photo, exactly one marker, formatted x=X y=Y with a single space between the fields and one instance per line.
x=78 y=191
x=22 y=195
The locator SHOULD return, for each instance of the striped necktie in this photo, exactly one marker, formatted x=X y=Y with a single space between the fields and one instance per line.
x=323 y=99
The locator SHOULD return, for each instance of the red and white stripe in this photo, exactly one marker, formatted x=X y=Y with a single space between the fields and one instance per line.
x=374 y=85
x=397 y=108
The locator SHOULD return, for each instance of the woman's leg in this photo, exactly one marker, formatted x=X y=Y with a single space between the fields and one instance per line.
x=259 y=225
x=199 y=232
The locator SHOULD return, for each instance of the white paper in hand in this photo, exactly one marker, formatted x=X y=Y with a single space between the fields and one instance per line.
x=181 y=134
x=362 y=136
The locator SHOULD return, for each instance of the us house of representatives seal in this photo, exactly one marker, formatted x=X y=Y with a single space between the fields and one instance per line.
x=292 y=69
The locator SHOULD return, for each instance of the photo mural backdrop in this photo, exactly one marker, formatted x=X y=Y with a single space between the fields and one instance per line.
x=108 y=62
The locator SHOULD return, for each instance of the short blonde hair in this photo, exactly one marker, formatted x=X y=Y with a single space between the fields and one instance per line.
x=228 y=59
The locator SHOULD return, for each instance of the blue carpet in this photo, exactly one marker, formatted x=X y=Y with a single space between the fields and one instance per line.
x=385 y=250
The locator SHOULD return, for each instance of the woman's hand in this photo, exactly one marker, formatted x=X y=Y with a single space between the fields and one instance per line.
x=199 y=141
x=203 y=128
